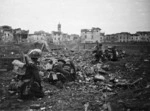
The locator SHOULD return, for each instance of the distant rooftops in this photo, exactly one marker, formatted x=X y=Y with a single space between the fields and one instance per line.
x=19 y=31
x=56 y=33
x=6 y=28
x=91 y=30
x=143 y=32
x=124 y=33
x=127 y=33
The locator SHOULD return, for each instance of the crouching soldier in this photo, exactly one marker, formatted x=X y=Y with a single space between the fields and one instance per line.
x=70 y=67
x=31 y=86
x=30 y=81
x=63 y=71
x=58 y=73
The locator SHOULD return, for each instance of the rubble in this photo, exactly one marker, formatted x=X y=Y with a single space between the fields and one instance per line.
x=98 y=86
x=98 y=77
x=35 y=106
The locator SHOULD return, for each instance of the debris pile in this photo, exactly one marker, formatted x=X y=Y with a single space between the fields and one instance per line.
x=103 y=86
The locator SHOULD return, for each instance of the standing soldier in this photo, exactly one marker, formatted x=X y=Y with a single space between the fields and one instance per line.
x=115 y=54
x=98 y=51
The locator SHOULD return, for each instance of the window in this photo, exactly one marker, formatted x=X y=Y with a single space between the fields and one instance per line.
x=92 y=37
x=85 y=36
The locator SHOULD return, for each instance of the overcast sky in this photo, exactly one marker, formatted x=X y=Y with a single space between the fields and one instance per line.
x=111 y=16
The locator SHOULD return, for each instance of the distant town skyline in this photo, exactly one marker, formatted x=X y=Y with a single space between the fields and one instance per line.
x=112 y=16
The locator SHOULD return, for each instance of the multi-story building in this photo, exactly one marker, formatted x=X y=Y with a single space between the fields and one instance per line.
x=20 y=35
x=6 y=33
x=127 y=37
x=144 y=36
x=35 y=38
x=60 y=37
x=124 y=37
x=65 y=37
x=13 y=35
x=111 y=38
x=57 y=35
x=39 y=36
x=49 y=38
x=69 y=38
x=92 y=35
x=135 y=38
x=74 y=37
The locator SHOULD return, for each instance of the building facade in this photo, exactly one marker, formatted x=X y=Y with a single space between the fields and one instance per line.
x=144 y=36
x=6 y=34
x=135 y=38
x=20 y=35
x=111 y=38
x=60 y=38
x=65 y=37
x=123 y=37
x=74 y=37
x=92 y=35
x=57 y=37
x=32 y=38
x=40 y=36
x=140 y=36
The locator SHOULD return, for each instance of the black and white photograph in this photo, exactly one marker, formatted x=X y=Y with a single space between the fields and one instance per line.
x=74 y=55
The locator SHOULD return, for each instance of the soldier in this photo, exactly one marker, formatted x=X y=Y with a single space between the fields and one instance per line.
x=64 y=71
x=98 y=51
x=49 y=65
x=31 y=86
x=70 y=67
x=115 y=54
x=57 y=73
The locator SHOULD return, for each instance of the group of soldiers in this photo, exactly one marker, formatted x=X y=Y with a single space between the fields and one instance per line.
x=109 y=54
x=30 y=74
x=28 y=79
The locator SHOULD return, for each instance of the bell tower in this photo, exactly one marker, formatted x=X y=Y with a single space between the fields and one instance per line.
x=59 y=27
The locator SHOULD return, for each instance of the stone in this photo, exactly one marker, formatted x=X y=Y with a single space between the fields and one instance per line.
x=98 y=77
x=35 y=106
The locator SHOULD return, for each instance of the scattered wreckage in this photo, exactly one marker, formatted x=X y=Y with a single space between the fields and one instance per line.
x=56 y=71
x=108 y=53
x=95 y=81
x=9 y=53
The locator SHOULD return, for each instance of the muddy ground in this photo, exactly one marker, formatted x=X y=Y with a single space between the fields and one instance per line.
x=126 y=87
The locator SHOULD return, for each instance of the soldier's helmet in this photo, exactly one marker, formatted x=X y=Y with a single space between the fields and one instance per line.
x=35 y=53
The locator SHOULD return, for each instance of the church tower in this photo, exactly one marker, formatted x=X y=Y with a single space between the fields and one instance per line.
x=59 y=27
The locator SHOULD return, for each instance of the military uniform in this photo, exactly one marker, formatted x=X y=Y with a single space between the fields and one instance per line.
x=31 y=80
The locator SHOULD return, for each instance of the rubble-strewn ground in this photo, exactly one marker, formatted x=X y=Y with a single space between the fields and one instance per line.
x=126 y=87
